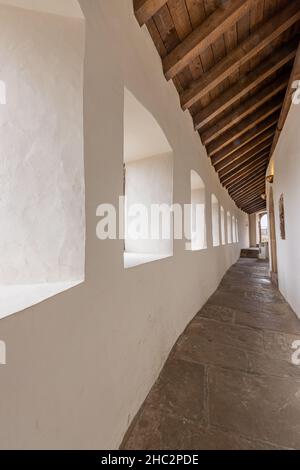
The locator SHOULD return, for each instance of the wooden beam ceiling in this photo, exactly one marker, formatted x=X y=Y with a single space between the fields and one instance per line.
x=245 y=138
x=242 y=111
x=247 y=124
x=248 y=83
x=145 y=9
x=254 y=163
x=241 y=162
x=231 y=62
x=248 y=49
x=205 y=35
x=252 y=146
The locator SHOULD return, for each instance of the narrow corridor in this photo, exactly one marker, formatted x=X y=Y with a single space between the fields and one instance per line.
x=229 y=382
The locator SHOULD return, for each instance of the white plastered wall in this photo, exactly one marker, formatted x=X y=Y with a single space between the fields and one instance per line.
x=286 y=166
x=80 y=364
x=149 y=181
x=41 y=144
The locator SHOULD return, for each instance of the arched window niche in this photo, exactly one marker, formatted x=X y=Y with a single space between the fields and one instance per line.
x=223 y=229
x=229 y=228
x=198 y=213
x=42 y=209
x=233 y=229
x=148 y=186
x=215 y=220
x=237 y=231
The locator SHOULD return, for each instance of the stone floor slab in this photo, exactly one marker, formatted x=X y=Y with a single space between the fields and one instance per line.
x=229 y=382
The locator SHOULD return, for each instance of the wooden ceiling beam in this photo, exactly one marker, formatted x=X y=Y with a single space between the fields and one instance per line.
x=243 y=170
x=263 y=149
x=252 y=199
x=258 y=206
x=295 y=76
x=245 y=138
x=245 y=188
x=255 y=202
x=251 y=172
x=246 y=184
x=245 y=51
x=205 y=35
x=248 y=177
x=257 y=189
x=245 y=109
x=246 y=125
x=250 y=81
x=145 y=9
x=253 y=211
x=252 y=146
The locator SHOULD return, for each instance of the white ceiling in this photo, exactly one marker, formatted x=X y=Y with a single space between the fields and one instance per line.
x=143 y=137
x=69 y=8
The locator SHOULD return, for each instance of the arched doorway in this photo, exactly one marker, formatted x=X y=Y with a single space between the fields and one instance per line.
x=273 y=247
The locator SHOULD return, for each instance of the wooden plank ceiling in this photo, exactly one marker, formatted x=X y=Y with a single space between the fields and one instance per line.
x=231 y=62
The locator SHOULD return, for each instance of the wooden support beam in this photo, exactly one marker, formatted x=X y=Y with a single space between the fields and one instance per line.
x=242 y=182
x=295 y=76
x=248 y=49
x=145 y=9
x=263 y=149
x=245 y=109
x=255 y=202
x=246 y=125
x=234 y=175
x=247 y=173
x=244 y=139
x=250 y=198
x=252 y=146
x=254 y=78
x=245 y=185
x=244 y=189
x=258 y=206
x=257 y=189
x=253 y=211
x=206 y=34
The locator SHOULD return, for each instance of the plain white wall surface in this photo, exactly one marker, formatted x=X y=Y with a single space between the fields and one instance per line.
x=41 y=141
x=80 y=364
x=149 y=181
x=69 y=8
x=286 y=164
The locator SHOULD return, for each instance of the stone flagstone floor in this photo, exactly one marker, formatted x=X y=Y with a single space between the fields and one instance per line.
x=229 y=382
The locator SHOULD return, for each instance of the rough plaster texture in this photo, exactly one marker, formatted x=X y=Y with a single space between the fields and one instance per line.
x=41 y=134
x=286 y=163
x=80 y=364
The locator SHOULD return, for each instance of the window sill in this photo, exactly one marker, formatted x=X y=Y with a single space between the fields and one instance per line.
x=15 y=298
x=135 y=259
